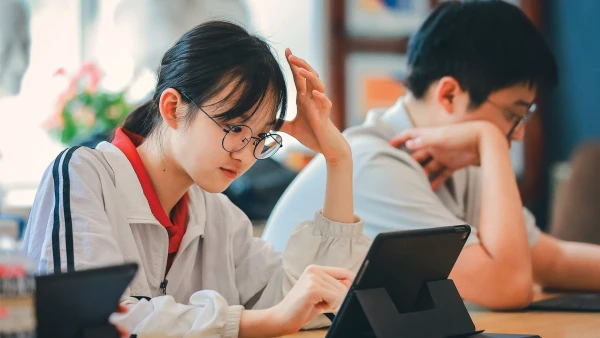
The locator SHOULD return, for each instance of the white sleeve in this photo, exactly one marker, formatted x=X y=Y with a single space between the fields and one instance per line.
x=68 y=227
x=327 y=243
x=264 y=277
x=206 y=315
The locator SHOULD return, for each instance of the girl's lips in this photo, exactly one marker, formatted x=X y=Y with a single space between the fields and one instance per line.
x=229 y=173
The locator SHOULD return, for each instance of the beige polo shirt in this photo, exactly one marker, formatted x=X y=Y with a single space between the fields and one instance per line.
x=391 y=190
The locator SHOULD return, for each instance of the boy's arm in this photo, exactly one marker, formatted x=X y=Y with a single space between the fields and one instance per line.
x=496 y=273
x=566 y=265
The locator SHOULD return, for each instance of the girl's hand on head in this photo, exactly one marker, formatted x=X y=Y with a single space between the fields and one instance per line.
x=312 y=125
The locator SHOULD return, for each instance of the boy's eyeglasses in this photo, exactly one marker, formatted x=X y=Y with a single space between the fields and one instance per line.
x=519 y=121
x=238 y=136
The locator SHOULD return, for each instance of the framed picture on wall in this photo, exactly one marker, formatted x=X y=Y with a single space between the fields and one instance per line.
x=374 y=80
x=514 y=2
x=384 y=18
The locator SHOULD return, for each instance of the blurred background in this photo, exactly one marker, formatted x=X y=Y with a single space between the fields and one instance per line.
x=70 y=71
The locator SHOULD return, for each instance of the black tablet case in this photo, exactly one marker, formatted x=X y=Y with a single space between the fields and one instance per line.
x=411 y=260
x=78 y=304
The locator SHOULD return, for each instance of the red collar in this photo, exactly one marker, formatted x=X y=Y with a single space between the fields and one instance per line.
x=127 y=142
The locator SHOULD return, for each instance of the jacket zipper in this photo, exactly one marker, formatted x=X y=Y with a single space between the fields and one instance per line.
x=163 y=286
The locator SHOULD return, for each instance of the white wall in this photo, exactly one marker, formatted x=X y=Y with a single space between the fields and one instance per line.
x=297 y=24
x=26 y=149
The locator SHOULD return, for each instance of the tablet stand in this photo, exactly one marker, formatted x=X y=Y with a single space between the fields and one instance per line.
x=447 y=315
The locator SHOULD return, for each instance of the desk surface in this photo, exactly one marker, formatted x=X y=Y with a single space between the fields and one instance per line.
x=544 y=324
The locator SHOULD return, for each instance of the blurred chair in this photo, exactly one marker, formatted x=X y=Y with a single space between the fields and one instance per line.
x=18 y=220
x=259 y=189
x=576 y=212
x=7 y=218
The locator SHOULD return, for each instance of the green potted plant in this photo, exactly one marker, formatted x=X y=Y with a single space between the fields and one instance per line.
x=86 y=115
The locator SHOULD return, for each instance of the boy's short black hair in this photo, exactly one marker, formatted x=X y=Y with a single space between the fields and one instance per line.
x=485 y=45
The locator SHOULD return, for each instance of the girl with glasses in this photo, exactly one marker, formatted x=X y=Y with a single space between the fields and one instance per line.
x=152 y=196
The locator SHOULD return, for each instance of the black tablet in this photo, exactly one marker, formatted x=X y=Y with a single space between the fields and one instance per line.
x=69 y=302
x=401 y=262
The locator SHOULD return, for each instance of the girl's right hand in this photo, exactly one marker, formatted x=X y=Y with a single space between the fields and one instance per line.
x=319 y=290
x=312 y=125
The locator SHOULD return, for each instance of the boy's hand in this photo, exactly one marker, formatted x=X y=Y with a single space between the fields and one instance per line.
x=443 y=150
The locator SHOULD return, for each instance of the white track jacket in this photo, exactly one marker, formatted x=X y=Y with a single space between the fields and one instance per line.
x=90 y=211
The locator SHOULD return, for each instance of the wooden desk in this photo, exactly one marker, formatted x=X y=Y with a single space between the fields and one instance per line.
x=545 y=324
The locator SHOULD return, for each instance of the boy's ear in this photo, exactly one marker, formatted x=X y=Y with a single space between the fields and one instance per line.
x=446 y=91
x=170 y=100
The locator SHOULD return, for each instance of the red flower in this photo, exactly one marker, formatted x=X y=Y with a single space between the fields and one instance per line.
x=59 y=71
x=93 y=74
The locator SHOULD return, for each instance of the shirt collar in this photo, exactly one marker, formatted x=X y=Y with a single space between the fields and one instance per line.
x=136 y=206
x=395 y=119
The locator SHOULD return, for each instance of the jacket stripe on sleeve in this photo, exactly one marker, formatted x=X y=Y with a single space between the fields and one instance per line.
x=67 y=210
x=66 y=202
x=56 y=226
